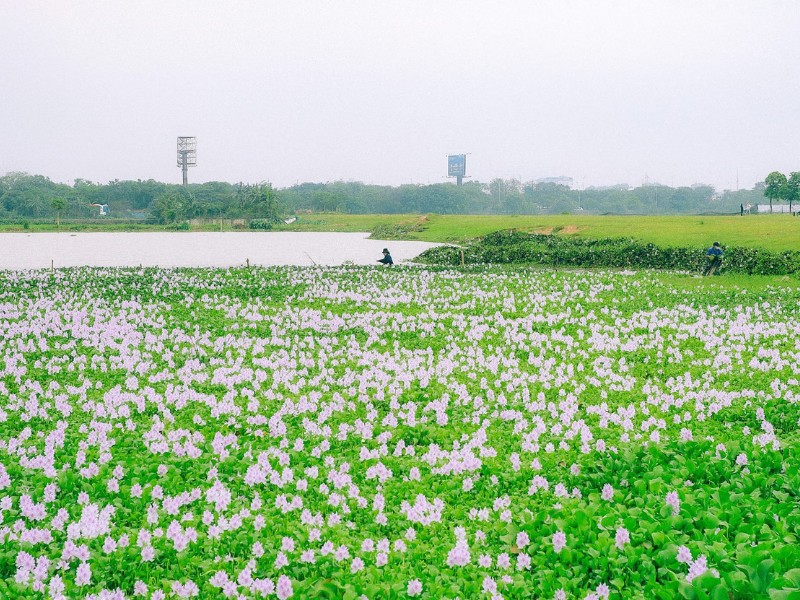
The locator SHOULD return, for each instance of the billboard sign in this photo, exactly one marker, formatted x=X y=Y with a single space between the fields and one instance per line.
x=457 y=165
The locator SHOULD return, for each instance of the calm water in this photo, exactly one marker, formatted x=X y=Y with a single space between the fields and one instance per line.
x=180 y=249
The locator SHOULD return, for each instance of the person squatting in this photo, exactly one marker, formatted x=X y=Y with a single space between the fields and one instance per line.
x=714 y=256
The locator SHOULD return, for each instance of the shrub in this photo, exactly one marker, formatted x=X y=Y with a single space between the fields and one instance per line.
x=261 y=224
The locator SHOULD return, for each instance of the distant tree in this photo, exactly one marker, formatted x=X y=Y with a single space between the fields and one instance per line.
x=793 y=188
x=264 y=202
x=256 y=201
x=166 y=208
x=58 y=203
x=677 y=200
x=31 y=205
x=174 y=205
x=28 y=195
x=775 y=187
x=326 y=201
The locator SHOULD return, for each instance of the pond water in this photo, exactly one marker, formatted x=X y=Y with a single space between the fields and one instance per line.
x=184 y=249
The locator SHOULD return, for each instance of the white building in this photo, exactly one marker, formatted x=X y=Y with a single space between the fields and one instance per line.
x=776 y=208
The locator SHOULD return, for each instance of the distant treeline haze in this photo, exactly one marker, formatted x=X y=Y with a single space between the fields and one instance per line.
x=33 y=197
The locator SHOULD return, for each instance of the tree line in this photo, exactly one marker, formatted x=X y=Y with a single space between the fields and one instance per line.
x=36 y=197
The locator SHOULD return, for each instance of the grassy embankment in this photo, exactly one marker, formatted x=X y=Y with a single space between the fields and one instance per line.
x=770 y=232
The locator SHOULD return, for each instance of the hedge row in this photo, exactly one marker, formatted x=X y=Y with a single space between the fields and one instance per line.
x=515 y=247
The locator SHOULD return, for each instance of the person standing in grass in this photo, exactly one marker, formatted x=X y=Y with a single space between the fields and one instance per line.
x=387 y=258
x=714 y=256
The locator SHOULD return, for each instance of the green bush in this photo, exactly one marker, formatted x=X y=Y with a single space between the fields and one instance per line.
x=515 y=247
x=261 y=224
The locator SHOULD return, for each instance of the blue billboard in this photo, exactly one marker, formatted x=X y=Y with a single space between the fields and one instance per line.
x=457 y=165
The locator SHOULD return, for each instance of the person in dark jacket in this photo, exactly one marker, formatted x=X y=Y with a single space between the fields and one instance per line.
x=387 y=258
x=714 y=256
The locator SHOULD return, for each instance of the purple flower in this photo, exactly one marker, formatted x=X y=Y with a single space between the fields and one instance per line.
x=684 y=555
x=622 y=537
x=84 y=574
x=607 y=493
x=459 y=555
x=357 y=565
x=414 y=587
x=697 y=568
x=673 y=501
x=284 y=588
x=559 y=541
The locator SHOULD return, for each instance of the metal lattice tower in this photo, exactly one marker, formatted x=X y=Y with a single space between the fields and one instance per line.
x=187 y=155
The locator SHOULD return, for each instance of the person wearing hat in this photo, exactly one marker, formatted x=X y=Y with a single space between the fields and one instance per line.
x=387 y=258
x=714 y=256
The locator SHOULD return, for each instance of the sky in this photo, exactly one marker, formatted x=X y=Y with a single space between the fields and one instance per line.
x=381 y=91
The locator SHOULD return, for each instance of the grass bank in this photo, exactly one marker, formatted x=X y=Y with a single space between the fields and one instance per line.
x=770 y=232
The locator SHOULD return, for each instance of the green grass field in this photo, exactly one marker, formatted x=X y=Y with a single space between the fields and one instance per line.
x=771 y=232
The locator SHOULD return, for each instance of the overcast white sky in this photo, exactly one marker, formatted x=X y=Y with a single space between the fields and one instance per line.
x=380 y=91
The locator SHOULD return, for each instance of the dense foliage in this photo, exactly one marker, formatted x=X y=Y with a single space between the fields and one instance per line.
x=394 y=433
x=516 y=247
x=30 y=197
x=261 y=224
x=24 y=196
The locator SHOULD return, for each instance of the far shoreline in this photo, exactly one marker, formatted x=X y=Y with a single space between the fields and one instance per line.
x=776 y=232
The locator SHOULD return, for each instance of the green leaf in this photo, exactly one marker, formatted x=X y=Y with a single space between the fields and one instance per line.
x=710 y=521
x=659 y=538
x=782 y=496
x=785 y=594
x=685 y=590
x=720 y=592
x=764 y=571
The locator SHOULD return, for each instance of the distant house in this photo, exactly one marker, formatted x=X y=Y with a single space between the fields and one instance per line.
x=103 y=210
x=776 y=208
x=561 y=180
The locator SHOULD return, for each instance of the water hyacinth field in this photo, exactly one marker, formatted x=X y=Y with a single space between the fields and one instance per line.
x=392 y=433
